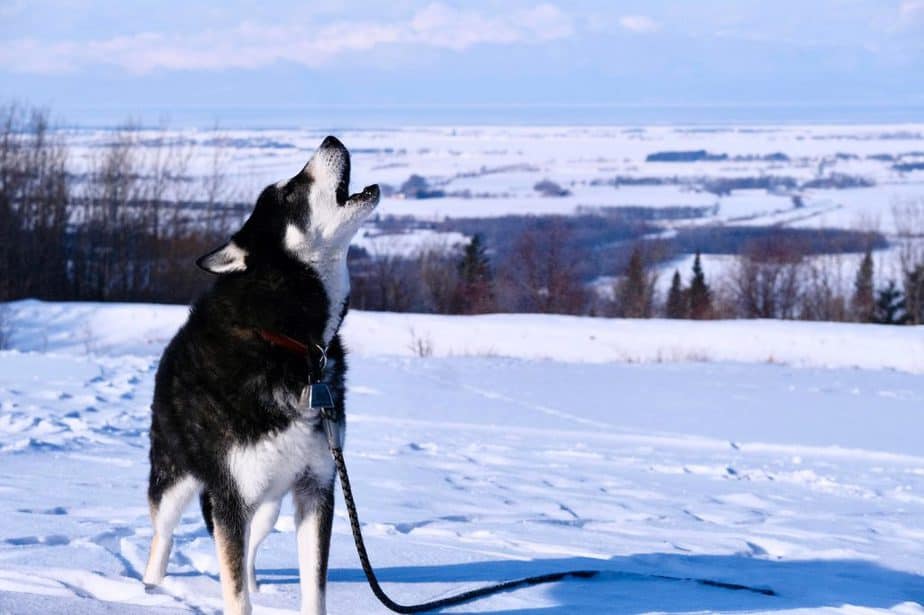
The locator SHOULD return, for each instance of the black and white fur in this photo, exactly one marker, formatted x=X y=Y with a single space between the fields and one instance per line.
x=230 y=421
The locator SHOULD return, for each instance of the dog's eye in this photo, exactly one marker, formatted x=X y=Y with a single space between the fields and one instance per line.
x=293 y=189
x=289 y=193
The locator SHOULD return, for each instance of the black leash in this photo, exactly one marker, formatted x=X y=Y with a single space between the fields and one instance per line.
x=335 y=441
x=433 y=605
x=336 y=450
x=319 y=398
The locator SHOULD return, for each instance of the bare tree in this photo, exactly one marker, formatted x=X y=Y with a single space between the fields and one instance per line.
x=909 y=225
x=439 y=278
x=393 y=284
x=217 y=192
x=908 y=217
x=34 y=199
x=635 y=289
x=914 y=295
x=766 y=281
x=109 y=229
x=822 y=296
x=864 y=301
x=540 y=273
x=122 y=226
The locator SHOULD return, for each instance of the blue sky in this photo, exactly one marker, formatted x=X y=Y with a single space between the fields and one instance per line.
x=136 y=57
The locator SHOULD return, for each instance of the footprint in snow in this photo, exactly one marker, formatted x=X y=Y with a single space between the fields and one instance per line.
x=57 y=510
x=52 y=540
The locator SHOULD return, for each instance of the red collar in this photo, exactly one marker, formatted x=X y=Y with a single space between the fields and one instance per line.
x=284 y=341
x=300 y=348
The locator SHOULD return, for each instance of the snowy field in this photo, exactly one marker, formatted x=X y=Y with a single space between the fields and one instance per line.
x=779 y=456
x=491 y=171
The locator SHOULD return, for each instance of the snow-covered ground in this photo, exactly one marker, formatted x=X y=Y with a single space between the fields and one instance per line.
x=773 y=455
x=409 y=243
x=498 y=167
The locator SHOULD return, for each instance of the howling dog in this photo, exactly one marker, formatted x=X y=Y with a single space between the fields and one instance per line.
x=231 y=416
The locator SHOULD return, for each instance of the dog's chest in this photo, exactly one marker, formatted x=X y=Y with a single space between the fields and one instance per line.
x=269 y=467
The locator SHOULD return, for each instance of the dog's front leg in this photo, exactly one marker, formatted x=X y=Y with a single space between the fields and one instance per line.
x=314 y=515
x=231 y=529
x=260 y=526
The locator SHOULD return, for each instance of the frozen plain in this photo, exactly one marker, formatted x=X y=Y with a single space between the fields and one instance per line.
x=498 y=167
x=783 y=456
x=491 y=171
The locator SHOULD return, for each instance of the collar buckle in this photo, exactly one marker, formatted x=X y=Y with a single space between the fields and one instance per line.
x=322 y=362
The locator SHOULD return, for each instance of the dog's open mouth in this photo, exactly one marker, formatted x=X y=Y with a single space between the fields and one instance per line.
x=336 y=158
x=366 y=199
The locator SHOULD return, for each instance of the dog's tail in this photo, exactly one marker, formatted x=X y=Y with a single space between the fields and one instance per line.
x=206 y=504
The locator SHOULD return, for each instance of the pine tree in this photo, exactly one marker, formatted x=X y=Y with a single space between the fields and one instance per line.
x=890 y=308
x=476 y=280
x=475 y=264
x=635 y=290
x=700 y=294
x=863 y=301
x=676 y=306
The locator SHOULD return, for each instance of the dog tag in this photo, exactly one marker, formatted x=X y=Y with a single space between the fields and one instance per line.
x=320 y=396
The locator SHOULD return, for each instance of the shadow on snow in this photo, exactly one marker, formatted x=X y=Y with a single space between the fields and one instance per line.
x=670 y=583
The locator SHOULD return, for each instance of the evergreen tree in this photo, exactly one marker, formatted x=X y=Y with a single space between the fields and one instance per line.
x=676 y=306
x=863 y=302
x=634 y=292
x=475 y=293
x=699 y=293
x=890 y=308
x=475 y=264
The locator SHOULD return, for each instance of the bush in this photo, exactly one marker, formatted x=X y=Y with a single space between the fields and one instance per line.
x=549 y=188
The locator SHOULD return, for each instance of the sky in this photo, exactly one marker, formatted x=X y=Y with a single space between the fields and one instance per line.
x=100 y=60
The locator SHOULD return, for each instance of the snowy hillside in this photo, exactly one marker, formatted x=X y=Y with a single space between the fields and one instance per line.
x=138 y=329
x=670 y=455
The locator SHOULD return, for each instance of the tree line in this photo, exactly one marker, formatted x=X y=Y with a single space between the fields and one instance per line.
x=768 y=280
x=129 y=224
x=126 y=228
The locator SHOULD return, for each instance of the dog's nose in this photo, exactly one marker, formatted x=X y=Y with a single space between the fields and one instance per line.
x=332 y=142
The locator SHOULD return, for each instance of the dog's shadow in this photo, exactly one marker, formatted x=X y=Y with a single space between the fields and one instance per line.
x=669 y=583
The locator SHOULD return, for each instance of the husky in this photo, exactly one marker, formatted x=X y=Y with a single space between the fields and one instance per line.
x=231 y=421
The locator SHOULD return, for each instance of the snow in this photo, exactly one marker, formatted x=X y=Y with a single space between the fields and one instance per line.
x=114 y=329
x=408 y=244
x=864 y=208
x=501 y=164
x=768 y=454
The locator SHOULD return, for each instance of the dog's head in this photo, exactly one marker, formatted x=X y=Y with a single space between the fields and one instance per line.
x=310 y=218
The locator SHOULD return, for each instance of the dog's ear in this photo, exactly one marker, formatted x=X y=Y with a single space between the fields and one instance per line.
x=229 y=258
